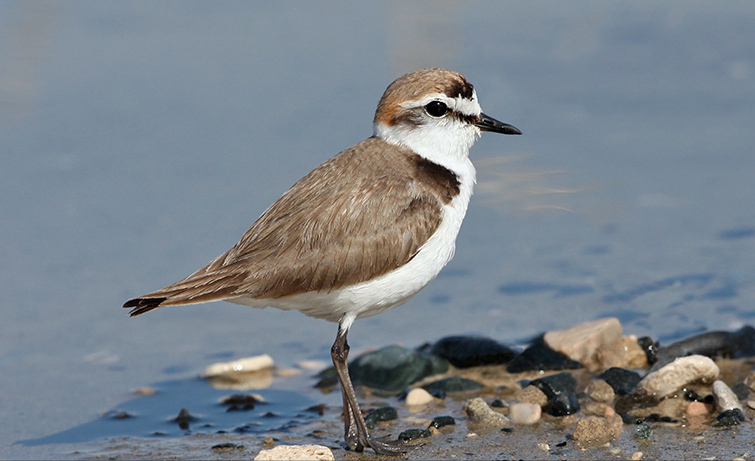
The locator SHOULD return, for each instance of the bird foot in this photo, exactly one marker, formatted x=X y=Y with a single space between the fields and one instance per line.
x=382 y=445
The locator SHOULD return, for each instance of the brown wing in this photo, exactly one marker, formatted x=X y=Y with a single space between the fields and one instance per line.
x=362 y=213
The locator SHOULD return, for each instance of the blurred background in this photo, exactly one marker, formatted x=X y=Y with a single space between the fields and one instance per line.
x=140 y=139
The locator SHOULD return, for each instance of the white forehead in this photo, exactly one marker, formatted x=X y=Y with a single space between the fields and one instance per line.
x=459 y=104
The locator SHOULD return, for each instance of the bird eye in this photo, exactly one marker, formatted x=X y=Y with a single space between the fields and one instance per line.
x=436 y=109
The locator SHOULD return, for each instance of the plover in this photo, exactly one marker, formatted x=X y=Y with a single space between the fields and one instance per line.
x=363 y=232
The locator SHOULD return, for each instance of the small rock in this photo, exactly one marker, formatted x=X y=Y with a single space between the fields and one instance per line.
x=313 y=365
x=452 y=384
x=243 y=374
x=442 y=421
x=560 y=391
x=751 y=404
x=417 y=397
x=246 y=365
x=539 y=357
x=564 y=404
x=296 y=452
x=643 y=431
x=241 y=402
x=184 y=418
x=525 y=414
x=471 y=351
x=697 y=408
x=554 y=385
x=498 y=403
x=600 y=391
x=392 y=368
x=622 y=381
x=712 y=344
x=730 y=418
x=226 y=447
x=531 y=394
x=480 y=413
x=413 y=434
x=144 y=391
x=593 y=431
x=636 y=456
x=596 y=345
x=741 y=390
x=380 y=415
x=544 y=447
x=677 y=374
x=635 y=355
x=724 y=397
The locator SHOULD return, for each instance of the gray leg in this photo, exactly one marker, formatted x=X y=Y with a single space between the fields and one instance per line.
x=355 y=429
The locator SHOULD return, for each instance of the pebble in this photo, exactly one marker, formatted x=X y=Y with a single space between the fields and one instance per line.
x=480 y=413
x=597 y=345
x=539 y=357
x=600 y=391
x=379 y=415
x=313 y=365
x=593 y=431
x=525 y=414
x=531 y=394
x=643 y=431
x=559 y=389
x=621 y=380
x=678 y=374
x=143 y=391
x=413 y=434
x=392 y=368
x=417 y=397
x=730 y=418
x=736 y=344
x=751 y=404
x=472 y=351
x=296 y=452
x=245 y=365
x=243 y=374
x=697 y=408
x=452 y=384
x=724 y=397
x=226 y=448
x=442 y=421
x=637 y=456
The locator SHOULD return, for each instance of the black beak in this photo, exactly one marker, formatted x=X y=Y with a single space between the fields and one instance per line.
x=486 y=123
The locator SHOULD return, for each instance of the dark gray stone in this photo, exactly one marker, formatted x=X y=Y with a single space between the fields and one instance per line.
x=472 y=351
x=379 y=415
x=621 y=380
x=394 y=367
x=453 y=384
x=539 y=357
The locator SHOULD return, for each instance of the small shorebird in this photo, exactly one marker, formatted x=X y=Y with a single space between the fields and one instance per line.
x=363 y=232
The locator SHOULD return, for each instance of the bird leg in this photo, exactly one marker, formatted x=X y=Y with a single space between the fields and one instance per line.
x=355 y=429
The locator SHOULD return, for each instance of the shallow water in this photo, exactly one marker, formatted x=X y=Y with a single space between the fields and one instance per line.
x=140 y=140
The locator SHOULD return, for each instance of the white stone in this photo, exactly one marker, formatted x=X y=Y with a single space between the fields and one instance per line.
x=418 y=396
x=243 y=374
x=679 y=373
x=296 y=452
x=725 y=398
x=245 y=365
x=525 y=414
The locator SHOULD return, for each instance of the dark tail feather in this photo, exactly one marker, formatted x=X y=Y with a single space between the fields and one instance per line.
x=142 y=305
